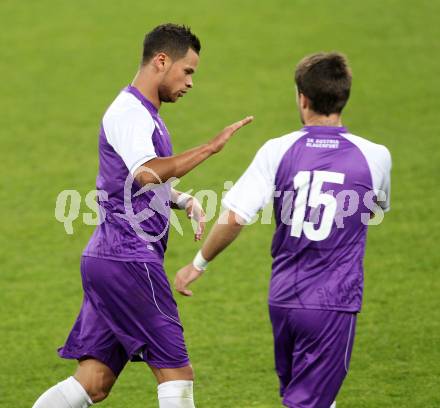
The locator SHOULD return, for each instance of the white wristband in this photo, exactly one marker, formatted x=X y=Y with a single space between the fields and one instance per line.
x=182 y=200
x=199 y=262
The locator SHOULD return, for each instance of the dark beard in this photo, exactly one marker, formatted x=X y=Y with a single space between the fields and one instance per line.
x=165 y=94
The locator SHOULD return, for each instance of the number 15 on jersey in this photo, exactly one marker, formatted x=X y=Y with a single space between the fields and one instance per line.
x=306 y=186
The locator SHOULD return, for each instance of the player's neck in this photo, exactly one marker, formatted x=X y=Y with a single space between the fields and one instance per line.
x=147 y=88
x=323 y=120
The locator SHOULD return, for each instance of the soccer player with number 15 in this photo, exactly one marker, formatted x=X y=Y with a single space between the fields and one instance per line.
x=318 y=247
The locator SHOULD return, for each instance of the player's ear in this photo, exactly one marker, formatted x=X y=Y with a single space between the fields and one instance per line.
x=160 y=61
x=303 y=101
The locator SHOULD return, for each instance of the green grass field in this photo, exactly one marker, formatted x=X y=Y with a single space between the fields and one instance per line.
x=63 y=62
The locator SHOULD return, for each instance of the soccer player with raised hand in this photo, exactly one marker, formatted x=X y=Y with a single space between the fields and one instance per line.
x=325 y=183
x=128 y=311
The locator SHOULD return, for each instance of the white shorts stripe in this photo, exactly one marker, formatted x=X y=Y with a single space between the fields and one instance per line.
x=154 y=298
x=348 y=343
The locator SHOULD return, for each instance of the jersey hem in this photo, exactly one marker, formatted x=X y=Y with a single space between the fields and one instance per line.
x=150 y=259
x=227 y=204
x=140 y=162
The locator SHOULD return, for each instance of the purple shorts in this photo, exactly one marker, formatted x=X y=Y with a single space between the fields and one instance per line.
x=128 y=313
x=312 y=354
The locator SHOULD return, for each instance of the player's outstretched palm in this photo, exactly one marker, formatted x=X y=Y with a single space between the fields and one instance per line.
x=184 y=277
x=222 y=138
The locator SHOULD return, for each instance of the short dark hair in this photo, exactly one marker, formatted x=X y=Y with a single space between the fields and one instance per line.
x=325 y=78
x=172 y=39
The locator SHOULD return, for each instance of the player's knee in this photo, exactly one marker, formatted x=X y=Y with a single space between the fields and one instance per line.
x=173 y=374
x=183 y=373
x=98 y=394
x=98 y=388
x=188 y=373
x=96 y=378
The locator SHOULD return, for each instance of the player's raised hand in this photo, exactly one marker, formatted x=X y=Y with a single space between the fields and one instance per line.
x=195 y=212
x=221 y=139
x=184 y=277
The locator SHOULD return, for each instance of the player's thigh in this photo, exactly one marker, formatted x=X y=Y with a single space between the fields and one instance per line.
x=173 y=374
x=137 y=304
x=91 y=337
x=321 y=356
x=283 y=339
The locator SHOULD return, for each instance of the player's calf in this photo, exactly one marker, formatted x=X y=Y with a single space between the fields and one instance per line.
x=66 y=394
x=96 y=378
x=175 y=389
x=176 y=394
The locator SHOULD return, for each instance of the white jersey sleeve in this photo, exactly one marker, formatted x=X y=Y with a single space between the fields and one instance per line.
x=379 y=161
x=255 y=187
x=129 y=129
x=386 y=164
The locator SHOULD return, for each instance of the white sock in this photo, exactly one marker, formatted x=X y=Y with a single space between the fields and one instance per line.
x=176 y=394
x=333 y=405
x=66 y=394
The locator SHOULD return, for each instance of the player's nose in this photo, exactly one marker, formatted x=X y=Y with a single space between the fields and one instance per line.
x=189 y=83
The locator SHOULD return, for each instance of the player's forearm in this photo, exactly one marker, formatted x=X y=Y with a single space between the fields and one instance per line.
x=224 y=232
x=161 y=169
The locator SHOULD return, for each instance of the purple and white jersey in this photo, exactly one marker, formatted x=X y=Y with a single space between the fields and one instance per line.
x=135 y=227
x=325 y=183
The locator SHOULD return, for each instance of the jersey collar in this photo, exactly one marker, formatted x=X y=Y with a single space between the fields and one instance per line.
x=134 y=91
x=325 y=129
